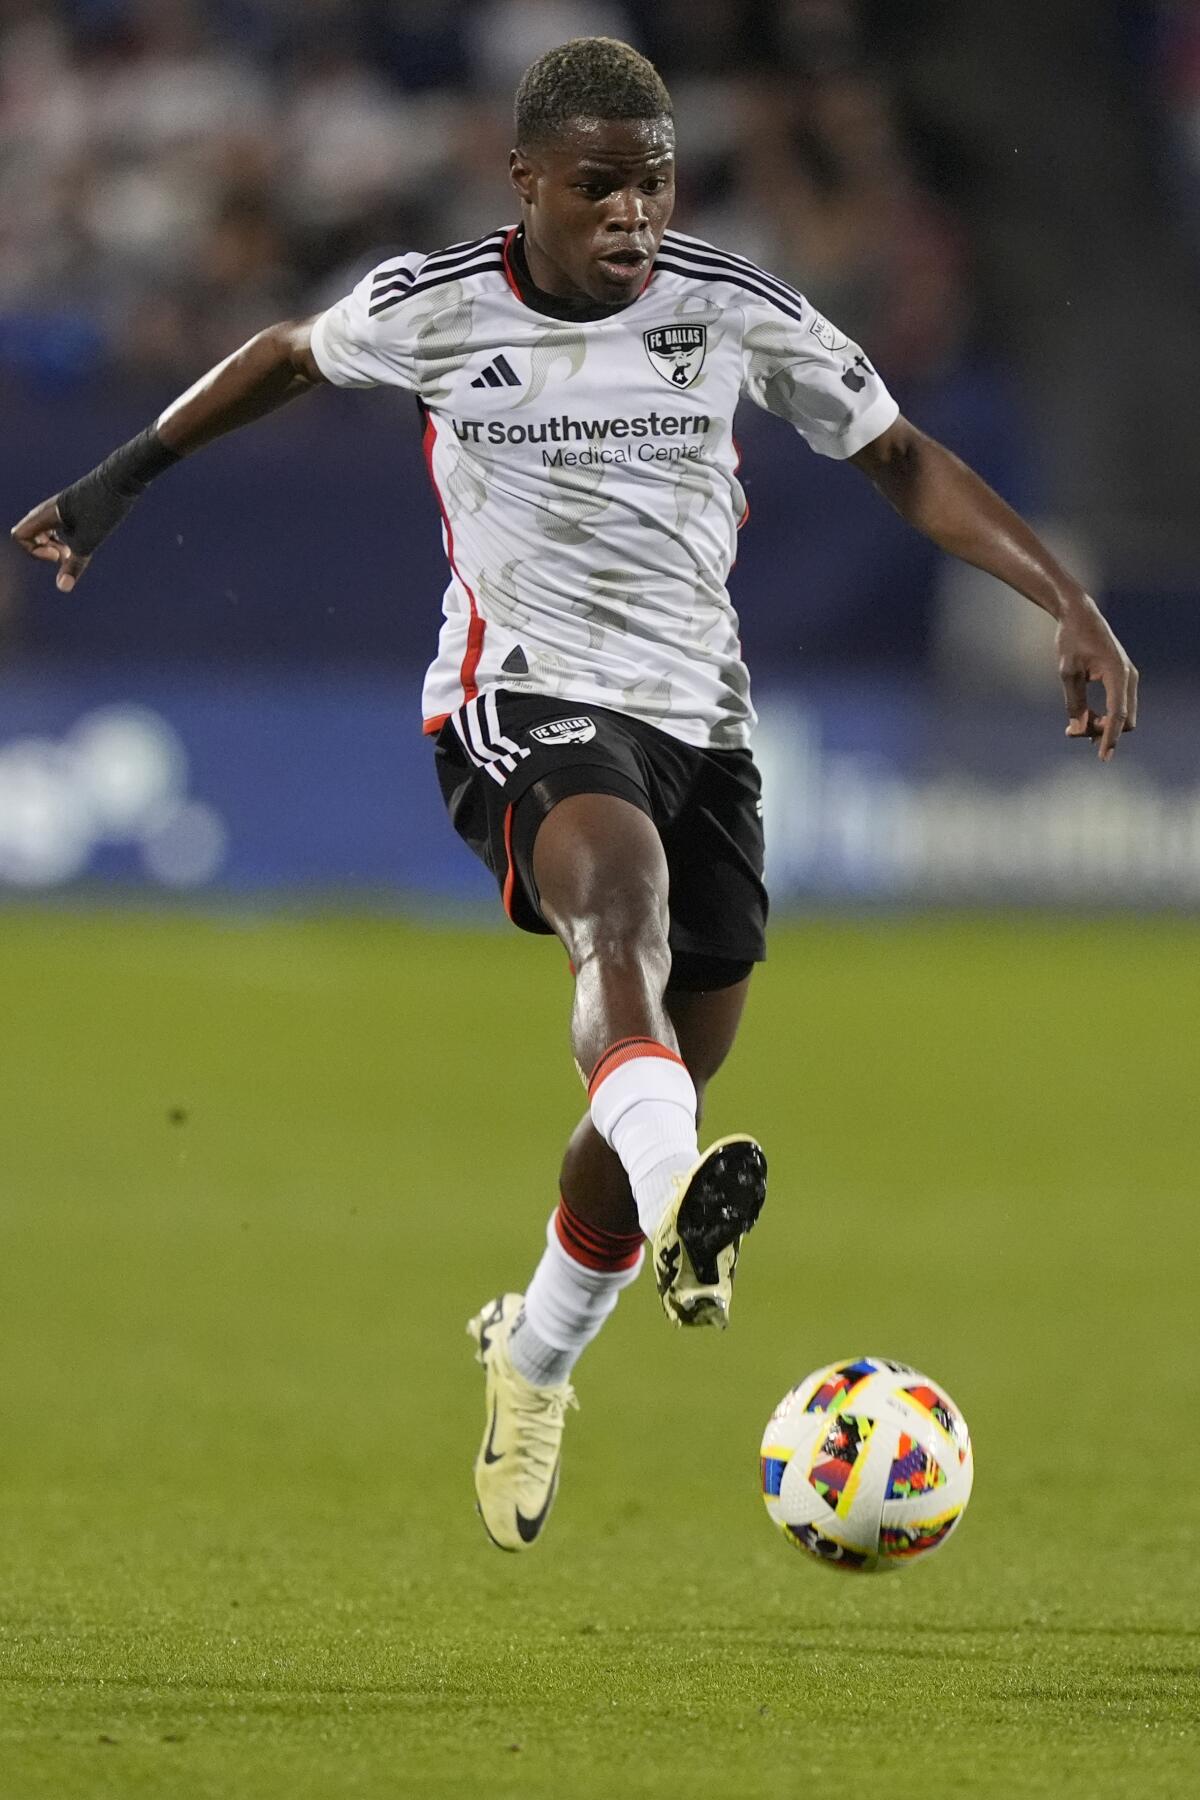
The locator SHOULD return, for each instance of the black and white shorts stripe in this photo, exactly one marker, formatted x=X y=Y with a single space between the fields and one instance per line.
x=478 y=727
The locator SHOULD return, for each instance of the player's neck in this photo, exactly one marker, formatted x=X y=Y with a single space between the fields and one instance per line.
x=541 y=299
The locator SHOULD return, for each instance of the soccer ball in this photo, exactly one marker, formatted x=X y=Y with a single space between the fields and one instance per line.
x=866 y=1464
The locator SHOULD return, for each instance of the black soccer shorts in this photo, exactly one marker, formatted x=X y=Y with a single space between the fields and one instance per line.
x=505 y=759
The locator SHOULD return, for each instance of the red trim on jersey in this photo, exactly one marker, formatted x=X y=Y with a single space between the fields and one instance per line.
x=510 y=878
x=508 y=274
x=591 y=1245
x=626 y=1050
x=737 y=451
x=476 y=625
x=432 y=726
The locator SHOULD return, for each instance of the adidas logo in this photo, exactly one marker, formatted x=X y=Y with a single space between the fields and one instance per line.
x=668 y=1265
x=499 y=373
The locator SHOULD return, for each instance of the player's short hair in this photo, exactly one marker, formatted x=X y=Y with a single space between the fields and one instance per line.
x=587 y=78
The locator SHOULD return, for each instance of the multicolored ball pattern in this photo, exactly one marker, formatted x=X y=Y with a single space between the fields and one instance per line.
x=866 y=1464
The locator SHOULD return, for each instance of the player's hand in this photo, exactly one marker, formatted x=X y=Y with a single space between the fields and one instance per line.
x=1088 y=650
x=40 y=534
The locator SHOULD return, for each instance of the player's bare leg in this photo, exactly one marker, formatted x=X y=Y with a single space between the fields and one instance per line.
x=593 y=1181
x=601 y=877
x=633 y=1165
x=596 y=1191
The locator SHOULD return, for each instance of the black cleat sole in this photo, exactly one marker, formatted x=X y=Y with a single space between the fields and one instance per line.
x=723 y=1201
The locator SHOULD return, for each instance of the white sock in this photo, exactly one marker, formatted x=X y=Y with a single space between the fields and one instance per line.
x=567 y=1302
x=643 y=1104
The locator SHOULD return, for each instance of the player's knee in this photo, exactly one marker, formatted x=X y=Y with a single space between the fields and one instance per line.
x=624 y=922
x=638 y=946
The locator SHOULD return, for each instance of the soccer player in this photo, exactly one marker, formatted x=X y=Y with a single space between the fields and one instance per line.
x=577 y=375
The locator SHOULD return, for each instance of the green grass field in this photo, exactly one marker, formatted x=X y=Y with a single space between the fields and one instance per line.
x=256 y=1173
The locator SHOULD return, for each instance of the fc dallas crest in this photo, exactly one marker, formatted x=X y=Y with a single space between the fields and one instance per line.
x=677 y=352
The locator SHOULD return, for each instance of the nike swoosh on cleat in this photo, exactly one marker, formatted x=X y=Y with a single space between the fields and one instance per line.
x=487 y=1527
x=527 y=1529
x=490 y=1456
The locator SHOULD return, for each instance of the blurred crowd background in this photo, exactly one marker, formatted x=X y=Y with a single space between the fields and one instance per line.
x=1016 y=195
x=172 y=172
x=175 y=171
x=1002 y=203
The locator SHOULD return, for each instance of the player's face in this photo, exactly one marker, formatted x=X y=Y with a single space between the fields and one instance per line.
x=596 y=203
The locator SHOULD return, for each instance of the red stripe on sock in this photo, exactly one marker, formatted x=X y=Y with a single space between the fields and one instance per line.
x=594 y=1247
x=623 y=1051
x=596 y=1237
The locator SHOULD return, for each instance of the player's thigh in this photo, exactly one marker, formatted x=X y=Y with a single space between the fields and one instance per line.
x=706 y=1025
x=599 y=867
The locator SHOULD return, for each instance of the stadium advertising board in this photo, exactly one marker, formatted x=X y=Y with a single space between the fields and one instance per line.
x=210 y=784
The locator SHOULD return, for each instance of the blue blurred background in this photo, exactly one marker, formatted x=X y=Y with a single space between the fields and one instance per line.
x=1001 y=203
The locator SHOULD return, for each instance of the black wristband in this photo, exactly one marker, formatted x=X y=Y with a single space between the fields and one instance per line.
x=92 y=506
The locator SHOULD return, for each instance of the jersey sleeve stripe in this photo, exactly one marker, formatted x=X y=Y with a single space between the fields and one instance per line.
x=440 y=280
x=461 y=252
x=398 y=275
x=733 y=279
x=740 y=269
x=402 y=281
x=392 y=272
x=676 y=243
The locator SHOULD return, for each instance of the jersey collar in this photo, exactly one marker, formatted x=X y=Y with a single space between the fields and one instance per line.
x=516 y=273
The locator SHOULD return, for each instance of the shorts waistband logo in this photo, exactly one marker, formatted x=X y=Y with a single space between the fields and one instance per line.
x=565 y=731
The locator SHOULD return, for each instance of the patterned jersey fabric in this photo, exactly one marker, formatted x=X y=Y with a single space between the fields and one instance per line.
x=587 y=472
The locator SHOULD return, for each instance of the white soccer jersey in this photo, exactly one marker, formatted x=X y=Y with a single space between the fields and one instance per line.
x=587 y=472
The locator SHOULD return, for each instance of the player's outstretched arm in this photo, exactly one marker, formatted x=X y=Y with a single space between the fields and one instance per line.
x=271 y=369
x=929 y=486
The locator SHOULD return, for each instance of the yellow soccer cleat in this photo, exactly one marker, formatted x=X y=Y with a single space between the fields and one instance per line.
x=516 y=1471
x=695 y=1249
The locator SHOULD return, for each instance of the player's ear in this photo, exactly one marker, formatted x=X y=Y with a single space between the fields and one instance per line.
x=522 y=175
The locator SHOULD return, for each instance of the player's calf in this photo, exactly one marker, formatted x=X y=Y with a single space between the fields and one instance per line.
x=643 y=1103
